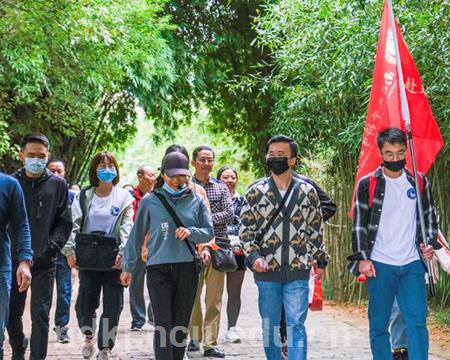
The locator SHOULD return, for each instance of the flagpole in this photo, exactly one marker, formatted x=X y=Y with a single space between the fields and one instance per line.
x=407 y=118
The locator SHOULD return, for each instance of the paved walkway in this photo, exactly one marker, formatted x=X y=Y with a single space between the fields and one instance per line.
x=332 y=334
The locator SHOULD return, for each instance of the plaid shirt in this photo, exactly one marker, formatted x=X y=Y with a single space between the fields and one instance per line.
x=366 y=220
x=222 y=211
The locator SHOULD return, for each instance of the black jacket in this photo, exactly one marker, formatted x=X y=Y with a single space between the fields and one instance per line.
x=49 y=215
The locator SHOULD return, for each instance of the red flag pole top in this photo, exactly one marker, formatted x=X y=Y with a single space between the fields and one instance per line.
x=395 y=69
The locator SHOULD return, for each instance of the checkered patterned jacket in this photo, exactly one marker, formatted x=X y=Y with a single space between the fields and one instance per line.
x=367 y=219
x=295 y=238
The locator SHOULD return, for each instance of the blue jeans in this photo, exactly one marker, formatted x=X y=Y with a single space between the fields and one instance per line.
x=137 y=301
x=397 y=328
x=5 y=290
x=407 y=284
x=64 y=292
x=294 y=296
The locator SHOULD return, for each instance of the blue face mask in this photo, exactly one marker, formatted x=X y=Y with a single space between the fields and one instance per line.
x=106 y=175
x=35 y=166
x=173 y=192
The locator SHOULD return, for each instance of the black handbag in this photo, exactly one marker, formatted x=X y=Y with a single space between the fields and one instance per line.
x=259 y=237
x=198 y=261
x=223 y=258
x=96 y=251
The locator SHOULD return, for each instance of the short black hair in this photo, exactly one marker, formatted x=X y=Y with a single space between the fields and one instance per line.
x=201 y=148
x=391 y=135
x=34 y=138
x=225 y=168
x=286 y=139
x=55 y=160
x=177 y=148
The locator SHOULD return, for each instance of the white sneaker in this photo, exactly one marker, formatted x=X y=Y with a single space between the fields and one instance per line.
x=232 y=336
x=88 y=348
x=105 y=354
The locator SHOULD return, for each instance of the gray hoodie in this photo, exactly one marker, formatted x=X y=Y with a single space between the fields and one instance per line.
x=163 y=247
x=122 y=226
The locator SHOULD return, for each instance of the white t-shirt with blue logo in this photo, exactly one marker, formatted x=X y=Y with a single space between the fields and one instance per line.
x=396 y=236
x=103 y=213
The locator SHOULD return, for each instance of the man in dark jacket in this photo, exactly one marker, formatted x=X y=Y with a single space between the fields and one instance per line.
x=13 y=216
x=46 y=199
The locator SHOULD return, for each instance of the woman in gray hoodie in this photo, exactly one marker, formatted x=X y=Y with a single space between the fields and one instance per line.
x=171 y=274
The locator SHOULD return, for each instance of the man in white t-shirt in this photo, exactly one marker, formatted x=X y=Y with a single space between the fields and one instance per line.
x=387 y=242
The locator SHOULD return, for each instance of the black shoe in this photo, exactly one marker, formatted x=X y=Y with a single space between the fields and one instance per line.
x=193 y=346
x=136 y=328
x=400 y=354
x=19 y=354
x=214 y=352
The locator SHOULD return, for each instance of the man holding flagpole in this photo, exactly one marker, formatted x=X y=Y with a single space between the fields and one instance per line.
x=388 y=244
x=394 y=216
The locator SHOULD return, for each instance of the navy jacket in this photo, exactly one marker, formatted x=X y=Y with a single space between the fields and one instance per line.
x=13 y=218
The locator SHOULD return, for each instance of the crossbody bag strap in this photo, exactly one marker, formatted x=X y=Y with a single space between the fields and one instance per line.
x=175 y=218
x=266 y=228
x=82 y=205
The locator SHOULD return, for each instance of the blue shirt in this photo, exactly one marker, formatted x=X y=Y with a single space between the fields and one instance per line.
x=13 y=217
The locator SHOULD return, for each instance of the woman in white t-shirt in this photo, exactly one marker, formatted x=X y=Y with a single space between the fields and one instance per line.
x=109 y=210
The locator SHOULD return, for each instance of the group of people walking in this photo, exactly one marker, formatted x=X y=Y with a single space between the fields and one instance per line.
x=168 y=228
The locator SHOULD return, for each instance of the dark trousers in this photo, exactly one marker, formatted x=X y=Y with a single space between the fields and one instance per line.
x=172 y=289
x=64 y=293
x=91 y=285
x=41 y=301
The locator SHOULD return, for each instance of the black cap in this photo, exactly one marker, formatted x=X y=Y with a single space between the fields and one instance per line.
x=175 y=163
x=33 y=138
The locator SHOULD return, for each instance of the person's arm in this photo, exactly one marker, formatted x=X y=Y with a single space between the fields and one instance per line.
x=19 y=224
x=225 y=216
x=125 y=227
x=315 y=230
x=429 y=213
x=326 y=204
x=204 y=231
x=77 y=218
x=247 y=230
x=133 y=246
x=360 y=233
x=63 y=221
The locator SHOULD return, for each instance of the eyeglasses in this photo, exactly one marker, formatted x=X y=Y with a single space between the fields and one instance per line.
x=205 y=161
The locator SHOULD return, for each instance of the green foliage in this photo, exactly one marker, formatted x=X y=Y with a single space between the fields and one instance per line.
x=322 y=55
x=213 y=46
x=76 y=70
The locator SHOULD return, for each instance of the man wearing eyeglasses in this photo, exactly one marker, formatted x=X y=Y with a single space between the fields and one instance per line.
x=206 y=329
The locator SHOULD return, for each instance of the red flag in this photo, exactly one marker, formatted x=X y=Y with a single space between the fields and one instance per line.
x=385 y=106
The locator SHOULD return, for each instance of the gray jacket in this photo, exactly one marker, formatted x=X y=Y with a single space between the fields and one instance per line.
x=122 y=226
x=163 y=247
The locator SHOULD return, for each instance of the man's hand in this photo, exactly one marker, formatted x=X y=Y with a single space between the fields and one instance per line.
x=260 y=265
x=206 y=256
x=23 y=276
x=367 y=268
x=118 y=263
x=427 y=251
x=319 y=274
x=125 y=278
x=182 y=233
x=72 y=262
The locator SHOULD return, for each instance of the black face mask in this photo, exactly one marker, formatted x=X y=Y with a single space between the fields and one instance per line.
x=278 y=165
x=395 y=165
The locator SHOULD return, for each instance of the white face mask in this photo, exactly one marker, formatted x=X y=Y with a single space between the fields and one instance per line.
x=35 y=166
